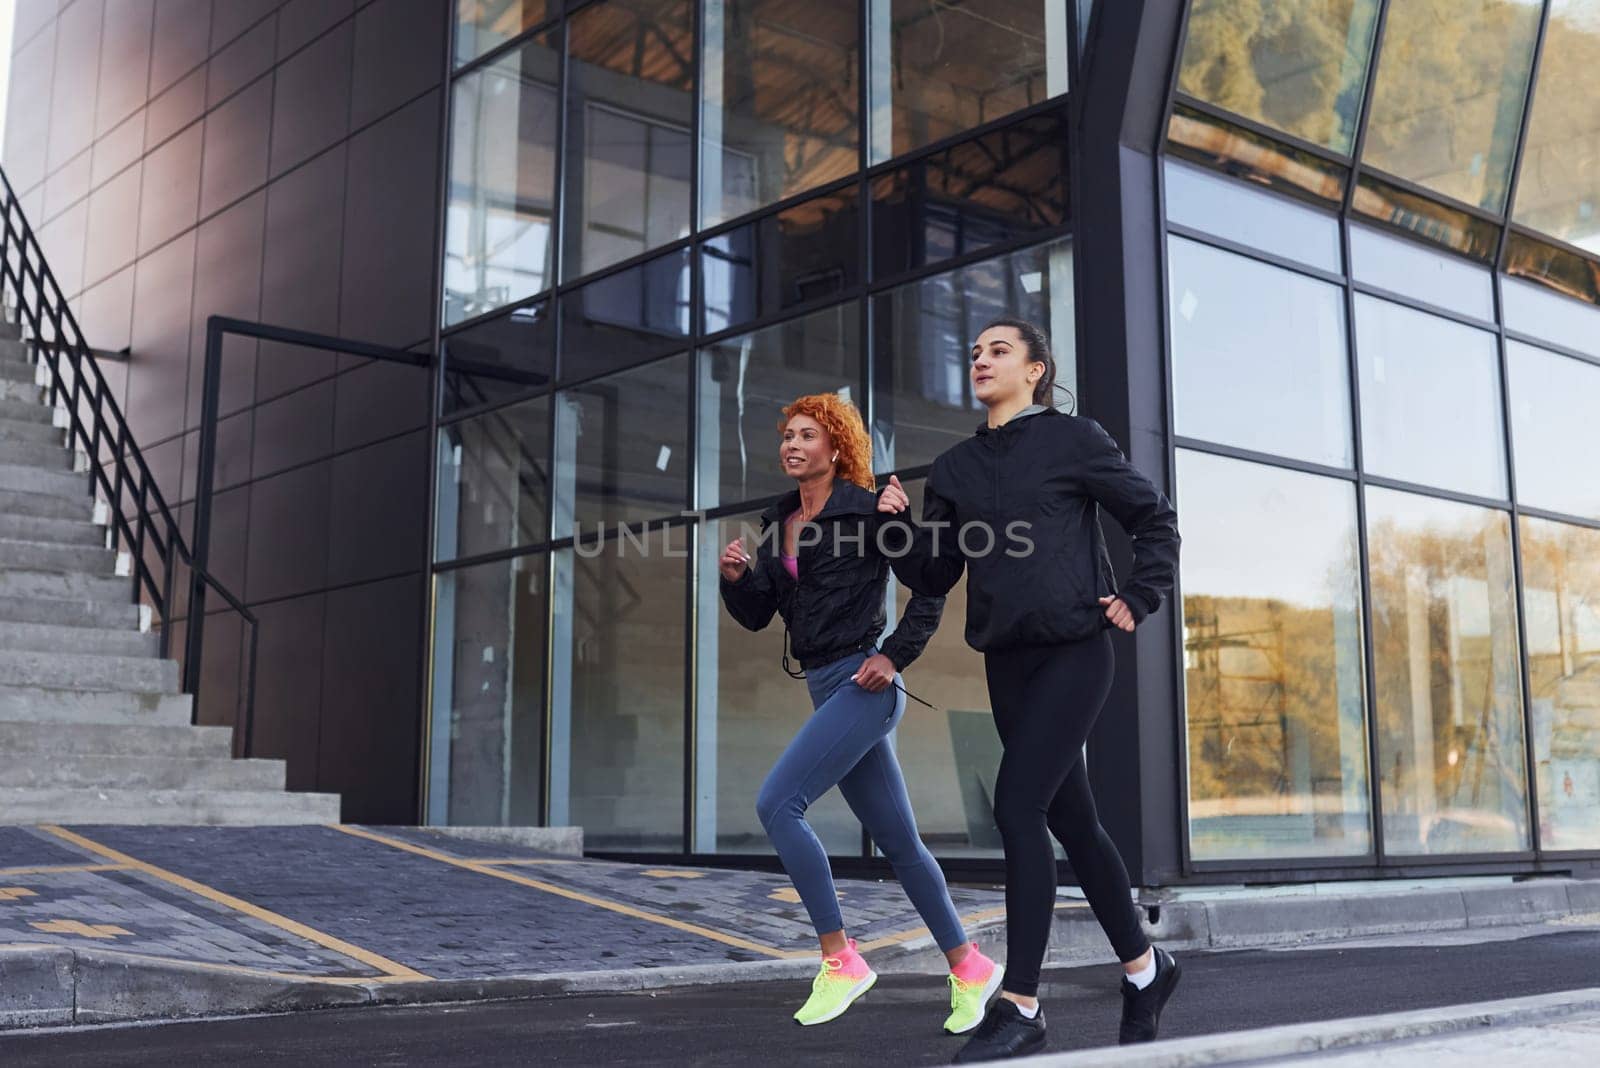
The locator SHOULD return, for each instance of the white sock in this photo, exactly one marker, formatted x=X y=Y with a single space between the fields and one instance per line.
x=1144 y=976
x=1027 y=1013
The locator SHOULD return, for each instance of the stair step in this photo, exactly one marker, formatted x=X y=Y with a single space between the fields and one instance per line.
x=21 y=392
x=60 y=586
x=122 y=615
x=94 y=641
x=87 y=805
x=10 y=330
x=45 y=455
x=105 y=771
x=45 y=506
x=51 y=531
x=25 y=411
x=87 y=671
x=40 y=704
x=65 y=484
x=43 y=556
x=50 y=739
x=12 y=348
x=37 y=432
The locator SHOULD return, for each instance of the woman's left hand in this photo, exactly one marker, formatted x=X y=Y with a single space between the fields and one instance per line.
x=1118 y=612
x=875 y=673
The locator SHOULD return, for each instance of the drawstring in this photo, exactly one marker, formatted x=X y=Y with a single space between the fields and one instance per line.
x=793 y=674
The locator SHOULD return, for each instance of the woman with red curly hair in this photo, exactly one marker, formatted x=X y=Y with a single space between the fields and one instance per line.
x=821 y=565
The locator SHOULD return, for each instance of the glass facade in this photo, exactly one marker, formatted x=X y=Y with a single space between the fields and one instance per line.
x=1315 y=530
x=665 y=221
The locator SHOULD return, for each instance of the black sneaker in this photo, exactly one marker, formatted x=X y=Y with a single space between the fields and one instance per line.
x=1004 y=1033
x=1141 y=1009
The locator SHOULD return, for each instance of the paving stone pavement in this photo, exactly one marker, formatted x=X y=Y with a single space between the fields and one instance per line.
x=365 y=902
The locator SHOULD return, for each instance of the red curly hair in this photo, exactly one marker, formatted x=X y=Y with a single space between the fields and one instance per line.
x=845 y=428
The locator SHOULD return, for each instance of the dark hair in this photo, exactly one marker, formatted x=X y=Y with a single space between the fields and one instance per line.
x=1038 y=343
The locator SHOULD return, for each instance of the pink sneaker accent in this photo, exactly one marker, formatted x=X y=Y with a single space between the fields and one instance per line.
x=974 y=968
x=851 y=964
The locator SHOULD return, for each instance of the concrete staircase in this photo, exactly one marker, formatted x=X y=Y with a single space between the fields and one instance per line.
x=93 y=728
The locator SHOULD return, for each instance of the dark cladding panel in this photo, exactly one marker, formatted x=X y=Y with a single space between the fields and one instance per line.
x=371 y=706
x=388 y=269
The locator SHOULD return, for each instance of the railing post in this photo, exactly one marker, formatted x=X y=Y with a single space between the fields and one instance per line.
x=210 y=391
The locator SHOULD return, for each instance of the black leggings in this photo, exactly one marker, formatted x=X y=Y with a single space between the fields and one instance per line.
x=1045 y=700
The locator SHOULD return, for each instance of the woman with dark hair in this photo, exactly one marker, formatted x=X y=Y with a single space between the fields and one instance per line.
x=1039 y=614
x=826 y=576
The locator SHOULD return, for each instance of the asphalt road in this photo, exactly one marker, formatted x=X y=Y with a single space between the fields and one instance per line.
x=896 y=1024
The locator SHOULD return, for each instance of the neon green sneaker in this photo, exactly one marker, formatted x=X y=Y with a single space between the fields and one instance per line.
x=838 y=984
x=970 y=993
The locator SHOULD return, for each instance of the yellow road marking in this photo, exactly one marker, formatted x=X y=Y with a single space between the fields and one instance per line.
x=918 y=932
x=529 y=860
x=12 y=893
x=79 y=928
x=572 y=895
x=54 y=869
x=668 y=873
x=310 y=934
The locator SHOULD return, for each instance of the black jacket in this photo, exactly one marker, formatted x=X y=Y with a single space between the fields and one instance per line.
x=837 y=606
x=1051 y=473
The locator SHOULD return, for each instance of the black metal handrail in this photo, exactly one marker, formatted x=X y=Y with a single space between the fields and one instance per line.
x=139 y=519
x=217 y=327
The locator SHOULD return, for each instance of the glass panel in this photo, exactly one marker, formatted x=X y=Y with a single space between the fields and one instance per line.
x=484 y=25
x=1406 y=267
x=1258 y=356
x=949 y=757
x=486 y=766
x=1454 y=229
x=617 y=691
x=1447 y=102
x=1558 y=191
x=1559 y=268
x=1561 y=599
x=1272 y=663
x=625 y=318
x=498 y=247
x=630 y=104
x=1296 y=65
x=1430 y=400
x=1537 y=312
x=998 y=187
x=1246 y=154
x=622 y=449
x=744 y=384
x=1085 y=15
x=779 y=106
x=1448 y=684
x=1235 y=211
x=493 y=481
x=938 y=69
x=922 y=332
x=798 y=255
x=498 y=357
x=749 y=711
x=1553 y=403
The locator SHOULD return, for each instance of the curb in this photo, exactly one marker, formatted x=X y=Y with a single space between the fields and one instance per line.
x=1258 y=922
x=47 y=985
x=1298 y=1040
x=53 y=986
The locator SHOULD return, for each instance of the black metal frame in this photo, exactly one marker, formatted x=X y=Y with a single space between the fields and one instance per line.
x=1377 y=860
x=860 y=182
x=218 y=327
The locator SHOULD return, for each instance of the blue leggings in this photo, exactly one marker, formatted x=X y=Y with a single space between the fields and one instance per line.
x=847 y=743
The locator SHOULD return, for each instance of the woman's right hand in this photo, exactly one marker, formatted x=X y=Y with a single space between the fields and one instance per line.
x=735 y=561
